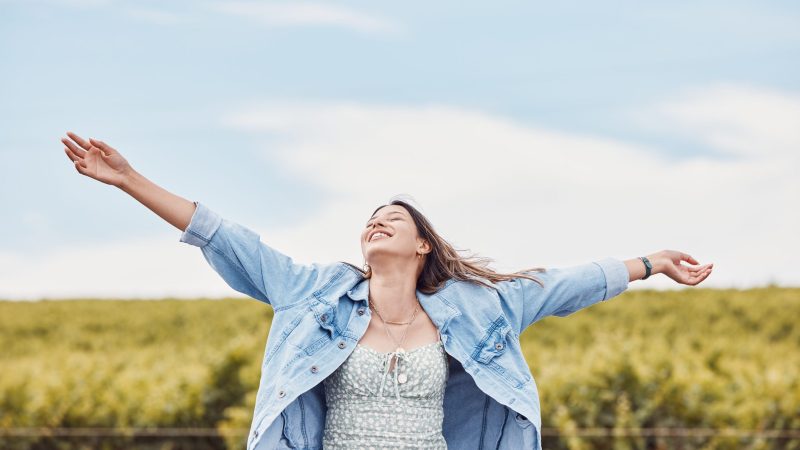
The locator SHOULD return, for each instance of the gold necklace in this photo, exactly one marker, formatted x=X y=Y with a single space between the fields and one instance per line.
x=401 y=378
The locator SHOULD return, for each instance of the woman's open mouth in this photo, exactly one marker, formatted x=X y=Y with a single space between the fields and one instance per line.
x=378 y=235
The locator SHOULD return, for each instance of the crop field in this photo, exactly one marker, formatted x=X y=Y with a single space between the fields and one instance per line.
x=723 y=361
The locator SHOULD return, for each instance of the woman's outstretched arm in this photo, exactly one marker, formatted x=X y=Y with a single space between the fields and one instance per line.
x=565 y=290
x=234 y=251
x=100 y=161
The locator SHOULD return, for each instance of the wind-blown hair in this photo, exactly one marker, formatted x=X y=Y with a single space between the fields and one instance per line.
x=444 y=262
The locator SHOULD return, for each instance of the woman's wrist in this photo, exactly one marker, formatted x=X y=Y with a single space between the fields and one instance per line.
x=657 y=261
x=637 y=269
x=128 y=179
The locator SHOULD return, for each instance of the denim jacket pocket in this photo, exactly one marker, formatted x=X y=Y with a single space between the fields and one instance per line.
x=523 y=421
x=315 y=328
x=499 y=350
x=325 y=315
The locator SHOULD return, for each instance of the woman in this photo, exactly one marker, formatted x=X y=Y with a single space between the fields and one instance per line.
x=438 y=364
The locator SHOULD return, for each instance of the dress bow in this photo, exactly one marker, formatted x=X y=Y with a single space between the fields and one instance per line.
x=399 y=355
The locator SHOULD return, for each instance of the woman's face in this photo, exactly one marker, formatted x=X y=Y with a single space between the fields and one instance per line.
x=399 y=238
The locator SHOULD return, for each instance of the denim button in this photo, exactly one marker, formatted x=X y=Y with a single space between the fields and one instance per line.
x=323 y=317
x=342 y=344
x=360 y=311
x=255 y=434
x=281 y=394
x=314 y=369
x=498 y=346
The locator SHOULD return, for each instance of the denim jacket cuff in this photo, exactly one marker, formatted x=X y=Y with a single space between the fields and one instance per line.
x=203 y=225
x=617 y=276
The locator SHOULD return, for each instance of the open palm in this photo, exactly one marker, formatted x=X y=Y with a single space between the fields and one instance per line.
x=96 y=159
x=683 y=274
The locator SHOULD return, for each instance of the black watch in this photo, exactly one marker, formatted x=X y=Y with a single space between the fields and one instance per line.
x=647 y=267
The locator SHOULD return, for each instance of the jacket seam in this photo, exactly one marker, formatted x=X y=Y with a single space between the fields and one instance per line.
x=483 y=422
x=244 y=273
x=303 y=421
x=605 y=279
x=291 y=305
x=316 y=293
x=328 y=284
x=347 y=266
x=237 y=268
x=502 y=427
x=198 y=235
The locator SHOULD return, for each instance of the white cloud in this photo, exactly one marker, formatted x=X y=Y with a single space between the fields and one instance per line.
x=745 y=121
x=144 y=268
x=307 y=13
x=530 y=196
x=521 y=194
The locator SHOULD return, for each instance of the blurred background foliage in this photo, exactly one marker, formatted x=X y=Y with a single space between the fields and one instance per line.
x=707 y=358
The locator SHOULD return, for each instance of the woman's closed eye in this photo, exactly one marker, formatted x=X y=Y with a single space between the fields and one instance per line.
x=394 y=218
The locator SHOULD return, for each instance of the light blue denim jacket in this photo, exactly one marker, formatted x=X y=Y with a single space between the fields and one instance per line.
x=321 y=312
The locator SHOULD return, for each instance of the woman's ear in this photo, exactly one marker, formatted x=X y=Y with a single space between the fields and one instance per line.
x=424 y=246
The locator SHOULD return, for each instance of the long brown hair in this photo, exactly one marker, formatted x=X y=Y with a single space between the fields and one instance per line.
x=444 y=262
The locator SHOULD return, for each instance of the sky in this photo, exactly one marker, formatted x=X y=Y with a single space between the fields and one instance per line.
x=533 y=133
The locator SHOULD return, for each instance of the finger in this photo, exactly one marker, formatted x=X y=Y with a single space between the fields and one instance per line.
x=85 y=145
x=692 y=280
x=80 y=167
x=699 y=269
x=71 y=155
x=702 y=276
x=101 y=145
x=688 y=258
x=75 y=149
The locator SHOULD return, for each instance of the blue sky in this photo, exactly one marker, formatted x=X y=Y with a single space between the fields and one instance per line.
x=614 y=129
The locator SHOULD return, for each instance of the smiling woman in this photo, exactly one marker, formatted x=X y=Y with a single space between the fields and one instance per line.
x=444 y=334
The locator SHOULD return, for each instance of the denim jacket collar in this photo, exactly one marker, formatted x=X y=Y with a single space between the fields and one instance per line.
x=435 y=305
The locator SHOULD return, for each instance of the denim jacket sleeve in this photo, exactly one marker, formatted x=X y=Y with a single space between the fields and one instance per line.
x=565 y=290
x=248 y=265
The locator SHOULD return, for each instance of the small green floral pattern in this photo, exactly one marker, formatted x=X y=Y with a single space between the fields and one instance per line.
x=368 y=408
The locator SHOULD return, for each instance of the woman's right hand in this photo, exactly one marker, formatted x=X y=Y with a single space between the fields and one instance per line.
x=97 y=160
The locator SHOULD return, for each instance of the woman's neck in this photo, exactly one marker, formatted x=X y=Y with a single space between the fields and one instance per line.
x=395 y=295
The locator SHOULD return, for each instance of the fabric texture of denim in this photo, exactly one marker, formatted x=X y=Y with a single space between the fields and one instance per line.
x=321 y=311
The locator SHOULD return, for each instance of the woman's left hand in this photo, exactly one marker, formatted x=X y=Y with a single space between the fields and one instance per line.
x=668 y=262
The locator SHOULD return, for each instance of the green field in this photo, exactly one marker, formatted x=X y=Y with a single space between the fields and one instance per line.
x=697 y=358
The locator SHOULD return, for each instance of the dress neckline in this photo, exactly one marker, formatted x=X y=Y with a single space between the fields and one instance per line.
x=407 y=351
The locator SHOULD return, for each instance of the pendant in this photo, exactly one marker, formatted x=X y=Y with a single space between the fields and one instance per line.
x=402 y=378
